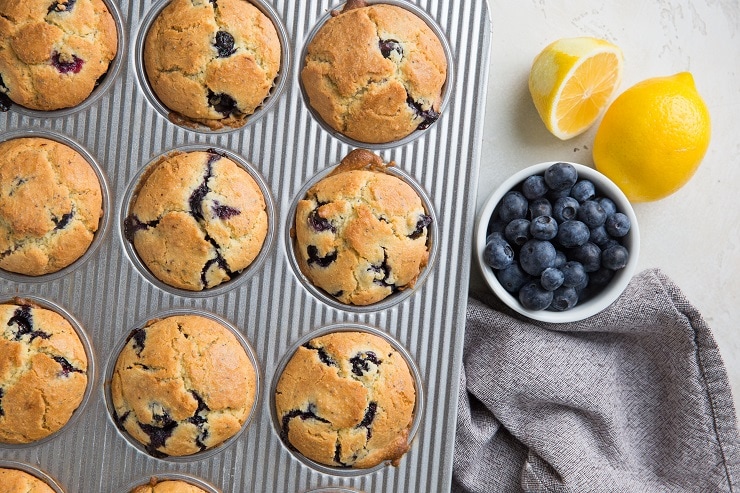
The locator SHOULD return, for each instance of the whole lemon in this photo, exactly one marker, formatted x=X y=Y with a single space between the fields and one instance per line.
x=653 y=137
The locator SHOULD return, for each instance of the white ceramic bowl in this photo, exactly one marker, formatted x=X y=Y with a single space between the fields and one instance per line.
x=604 y=187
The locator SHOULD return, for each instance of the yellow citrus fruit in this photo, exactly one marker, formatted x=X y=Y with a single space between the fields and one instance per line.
x=571 y=82
x=653 y=137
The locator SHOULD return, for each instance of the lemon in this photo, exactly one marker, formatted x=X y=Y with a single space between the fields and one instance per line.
x=571 y=82
x=653 y=137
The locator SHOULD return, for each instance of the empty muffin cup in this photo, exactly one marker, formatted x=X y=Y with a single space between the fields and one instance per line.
x=61 y=57
x=362 y=236
x=376 y=75
x=197 y=221
x=49 y=371
x=212 y=66
x=347 y=400
x=182 y=385
x=56 y=206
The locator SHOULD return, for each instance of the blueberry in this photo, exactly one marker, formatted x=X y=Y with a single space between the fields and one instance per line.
x=565 y=208
x=543 y=228
x=560 y=259
x=512 y=278
x=495 y=234
x=608 y=205
x=615 y=257
x=61 y=6
x=592 y=214
x=600 y=278
x=496 y=225
x=599 y=236
x=574 y=274
x=222 y=211
x=498 y=253
x=561 y=176
x=224 y=44
x=314 y=258
x=551 y=278
x=65 y=65
x=618 y=225
x=421 y=224
x=534 y=187
x=583 y=190
x=319 y=223
x=517 y=231
x=587 y=254
x=596 y=282
x=533 y=297
x=573 y=233
x=429 y=116
x=554 y=195
x=223 y=103
x=564 y=298
x=388 y=46
x=536 y=256
x=513 y=206
x=539 y=207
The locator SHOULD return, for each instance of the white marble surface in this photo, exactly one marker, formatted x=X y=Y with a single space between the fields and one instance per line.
x=692 y=235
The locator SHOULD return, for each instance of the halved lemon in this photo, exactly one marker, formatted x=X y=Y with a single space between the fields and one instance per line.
x=572 y=81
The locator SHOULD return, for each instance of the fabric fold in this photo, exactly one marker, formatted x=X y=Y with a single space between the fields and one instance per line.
x=635 y=398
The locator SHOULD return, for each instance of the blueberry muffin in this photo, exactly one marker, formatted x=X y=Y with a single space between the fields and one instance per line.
x=167 y=486
x=51 y=205
x=197 y=219
x=43 y=372
x=181 y=385
x=212 y=63
x=346 y=399
x=17 y=481
x=361 y=232
x=53 y=53
x=375 y=73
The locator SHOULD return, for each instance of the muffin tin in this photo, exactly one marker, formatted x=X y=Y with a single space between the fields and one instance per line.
x=272 y=308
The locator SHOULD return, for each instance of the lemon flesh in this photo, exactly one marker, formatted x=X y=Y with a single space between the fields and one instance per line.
x=572 y=81
x=653 y=137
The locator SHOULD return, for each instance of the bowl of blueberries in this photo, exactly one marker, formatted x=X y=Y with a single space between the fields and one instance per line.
x=557 y=242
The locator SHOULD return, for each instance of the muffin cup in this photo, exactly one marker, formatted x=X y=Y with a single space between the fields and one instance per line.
x=198 y=456
x=392 y=299
x=346 y=327
x=33 y=471
x=169 y=476
x=91 y=366
x=103 y=224
x=236 y=280
x=446 y=88
x=267 y=104
x=104 y=83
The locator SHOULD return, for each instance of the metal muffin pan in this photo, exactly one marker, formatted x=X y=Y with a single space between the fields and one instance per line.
x=123 y=131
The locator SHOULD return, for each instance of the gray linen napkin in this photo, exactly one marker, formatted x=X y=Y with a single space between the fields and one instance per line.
x=634 y=399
